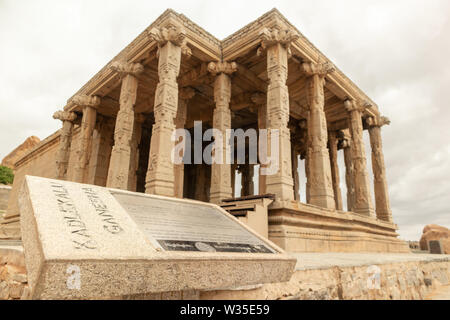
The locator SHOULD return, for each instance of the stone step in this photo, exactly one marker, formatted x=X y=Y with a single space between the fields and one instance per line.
x=13 y=243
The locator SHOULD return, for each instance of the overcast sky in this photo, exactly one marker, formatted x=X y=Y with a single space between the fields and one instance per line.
x=397 y=51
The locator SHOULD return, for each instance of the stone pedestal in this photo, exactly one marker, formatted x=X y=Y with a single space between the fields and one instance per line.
x=319 y=174
x=382 y=204
x=363 y=200
x=88 y=105
x=221 y=172
x=65 y=140
x=121 y=161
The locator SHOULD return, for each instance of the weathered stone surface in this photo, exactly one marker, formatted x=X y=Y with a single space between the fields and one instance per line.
x=85 y=241
x=4 y=196
x=13 y=278
x=344 y=277
x=10 y=160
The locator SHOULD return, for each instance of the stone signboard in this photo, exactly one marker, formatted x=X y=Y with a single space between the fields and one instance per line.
x=83 y=241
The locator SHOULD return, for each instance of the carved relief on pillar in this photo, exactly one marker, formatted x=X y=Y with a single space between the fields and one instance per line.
x=363 y=200
x=160 y=175
x=121 y=169
x=221 y=173
x=276 y=42
x=172 y=33
x=320 y=187
x=89 y=106
x=382 y=203
x=65 y=141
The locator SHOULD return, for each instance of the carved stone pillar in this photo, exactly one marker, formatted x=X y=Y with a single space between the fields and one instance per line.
x=333 y=146
x=363 y=200
x=233 y=179
x=277 y=42
x=349 y=170
x=294 y=159
x=102 y=143
x=160 y=175
x=221 y=173
x=139 y=119
x=120 y=166
x=296 y=176
x=184 y=96
x=251 y=184
x=65 y=140
x=247 y=185
x=88 y=105
x=319 y=172
x=261 y=101
x=382 y=205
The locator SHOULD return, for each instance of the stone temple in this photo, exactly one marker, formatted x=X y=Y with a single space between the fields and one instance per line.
x=117 y=132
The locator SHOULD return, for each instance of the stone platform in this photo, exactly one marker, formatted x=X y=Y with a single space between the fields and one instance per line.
x=334 y=276
x=344 y=276
x=299 y=227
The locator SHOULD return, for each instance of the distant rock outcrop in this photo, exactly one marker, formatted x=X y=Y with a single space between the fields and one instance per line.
x=438 y=233
x=18 y=152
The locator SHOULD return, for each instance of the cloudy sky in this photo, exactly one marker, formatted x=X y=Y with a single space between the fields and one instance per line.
x=397 y=51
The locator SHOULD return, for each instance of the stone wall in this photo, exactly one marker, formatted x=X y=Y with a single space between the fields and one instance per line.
x=40 y=161
x=4 y=196
x=398 y=281
x=13 y=278
x=410 y=278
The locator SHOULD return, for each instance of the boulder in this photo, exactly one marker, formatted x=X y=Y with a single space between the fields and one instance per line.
x=20 y=151
x=437 y=233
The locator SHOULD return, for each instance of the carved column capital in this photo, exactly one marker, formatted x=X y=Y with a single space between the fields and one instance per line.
x=86 y=101
x=320 y=69
x=273 y=36
x=345 y=138
x=186 y=93
x=65 y=116
x=353 y=105
x=378 y=121
x=171 y=33
x=125 y=68
x=222 y=67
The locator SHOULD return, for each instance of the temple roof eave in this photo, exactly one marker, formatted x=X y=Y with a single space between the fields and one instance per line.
x=208 y=47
